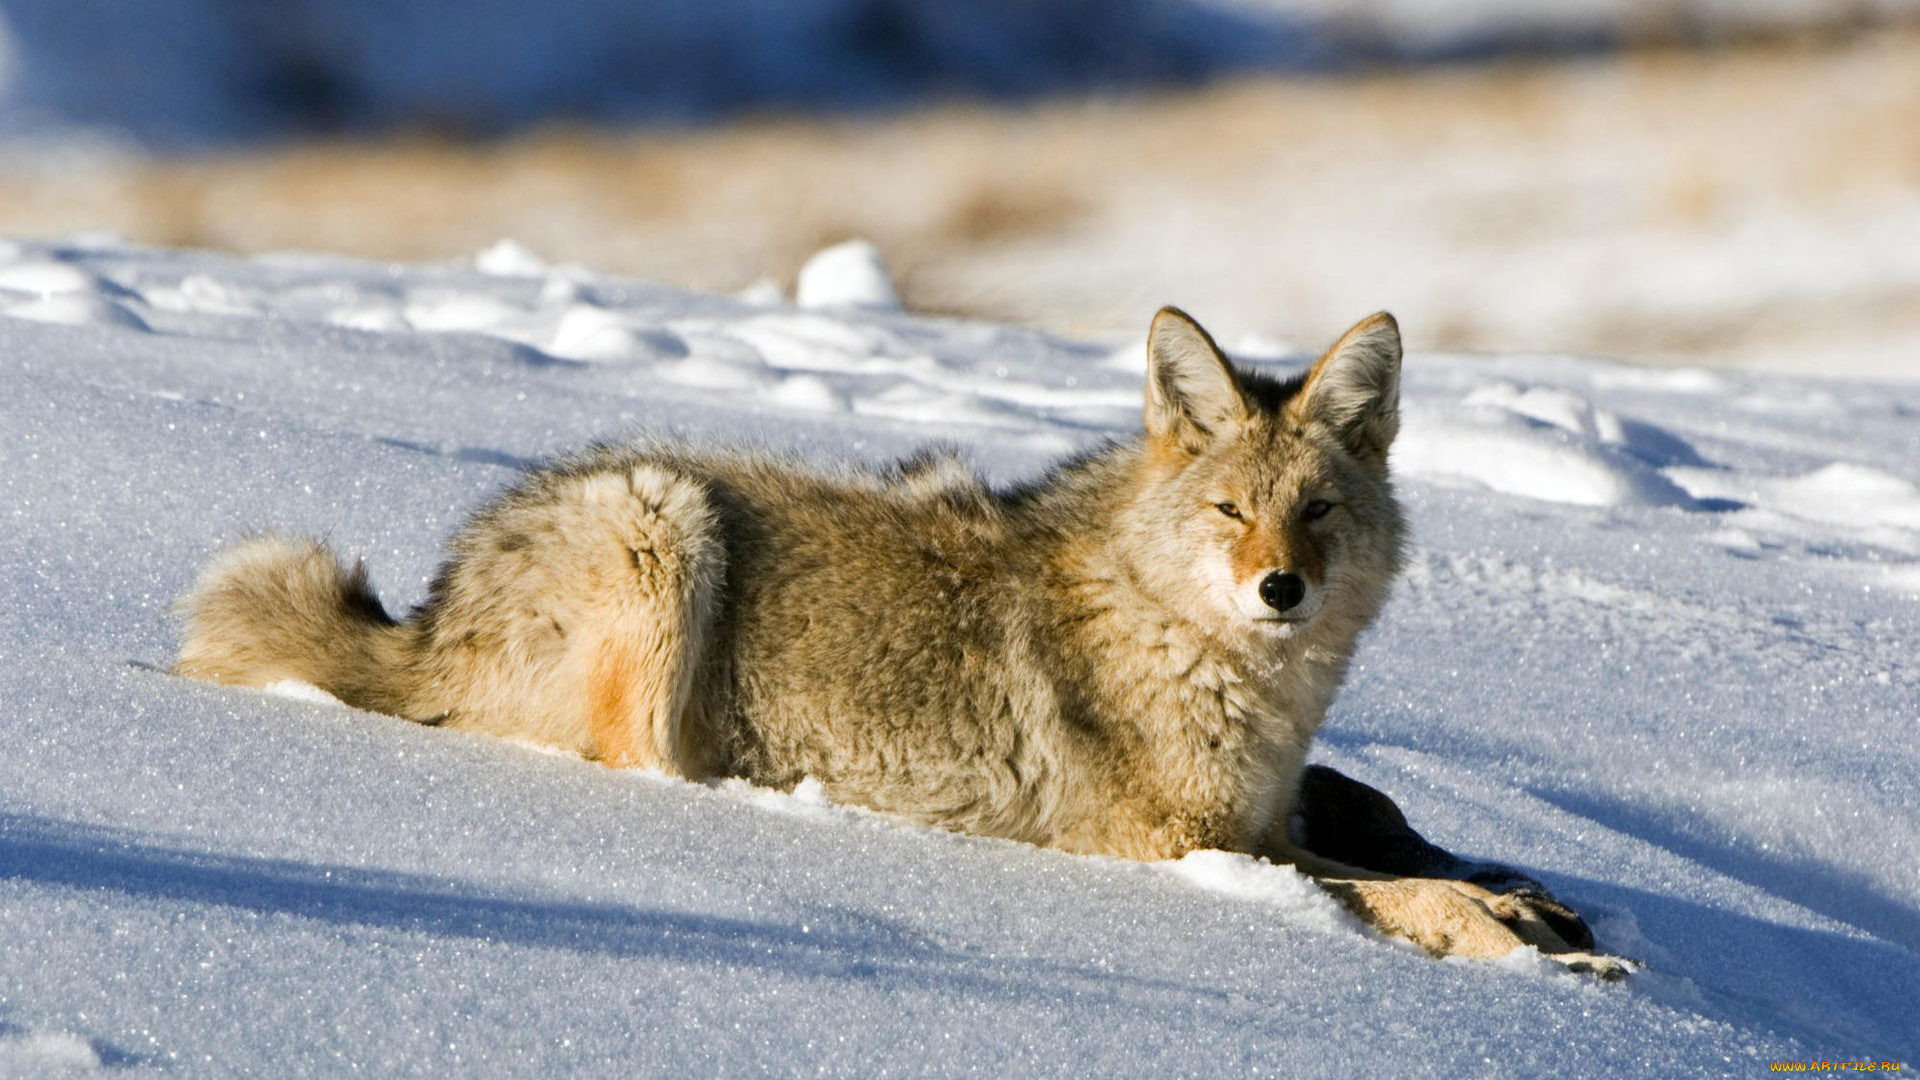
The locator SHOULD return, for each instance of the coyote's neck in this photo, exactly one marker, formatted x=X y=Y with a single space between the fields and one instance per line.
x=1209 y=722
x=1160 y=656
x=1210 y=738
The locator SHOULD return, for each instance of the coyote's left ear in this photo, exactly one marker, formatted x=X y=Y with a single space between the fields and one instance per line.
x=1355 y=387
x=1192 y=395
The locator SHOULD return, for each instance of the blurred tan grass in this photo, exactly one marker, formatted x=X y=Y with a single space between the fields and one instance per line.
x=1741 y=206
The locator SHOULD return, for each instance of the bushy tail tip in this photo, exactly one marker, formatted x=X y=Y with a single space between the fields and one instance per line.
x=273 y=608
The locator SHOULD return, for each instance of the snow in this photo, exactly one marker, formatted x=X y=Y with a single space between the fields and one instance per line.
x=1654 y=646
x=76 y=309
x=52 y=1052
x=850 y=274
x=295 y=690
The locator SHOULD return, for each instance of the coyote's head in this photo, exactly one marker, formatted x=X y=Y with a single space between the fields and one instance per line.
x=1267 y=501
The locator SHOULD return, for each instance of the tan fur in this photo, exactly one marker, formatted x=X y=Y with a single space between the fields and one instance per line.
x=327 y=627
x=613 y=694
x=1085 y=662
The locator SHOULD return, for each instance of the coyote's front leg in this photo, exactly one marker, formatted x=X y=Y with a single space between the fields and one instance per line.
x=1355 y=841
x=1339 y=818
x=1458 y=918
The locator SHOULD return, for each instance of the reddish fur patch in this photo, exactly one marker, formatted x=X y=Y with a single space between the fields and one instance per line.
x=1166 y=456
x=611 y=708
x=1255 y=552
x=1264 y=548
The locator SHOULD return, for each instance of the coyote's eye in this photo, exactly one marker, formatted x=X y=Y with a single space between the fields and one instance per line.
x=1316 y=510
x=1228 y=509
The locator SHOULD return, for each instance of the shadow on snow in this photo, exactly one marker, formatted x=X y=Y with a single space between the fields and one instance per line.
x=833 y=944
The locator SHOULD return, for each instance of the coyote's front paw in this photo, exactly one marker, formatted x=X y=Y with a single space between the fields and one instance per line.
x=1458 y=918
x=1534 y=904
x=1599 y=965
x=1557 y=931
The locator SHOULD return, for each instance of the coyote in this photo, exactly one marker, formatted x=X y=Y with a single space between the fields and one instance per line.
x=1128 y=656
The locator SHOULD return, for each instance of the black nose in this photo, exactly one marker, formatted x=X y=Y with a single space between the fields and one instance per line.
x=1282 y=592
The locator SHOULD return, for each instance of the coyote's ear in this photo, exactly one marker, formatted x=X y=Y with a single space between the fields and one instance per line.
x=1191 y=393
x=1355 y=387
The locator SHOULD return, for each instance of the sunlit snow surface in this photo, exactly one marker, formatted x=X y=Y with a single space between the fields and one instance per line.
x=1656 y=645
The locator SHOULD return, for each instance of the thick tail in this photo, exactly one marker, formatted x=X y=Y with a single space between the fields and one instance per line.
x=273 y=608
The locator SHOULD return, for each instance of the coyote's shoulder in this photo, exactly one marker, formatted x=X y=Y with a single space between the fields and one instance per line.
x=1128 y=656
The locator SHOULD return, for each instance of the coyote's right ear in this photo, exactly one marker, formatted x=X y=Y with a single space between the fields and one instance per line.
x=1192 y=396
x=1355 y=387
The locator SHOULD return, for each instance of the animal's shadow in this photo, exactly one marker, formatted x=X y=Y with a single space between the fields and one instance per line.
x=1815 y=991
x=811 y=942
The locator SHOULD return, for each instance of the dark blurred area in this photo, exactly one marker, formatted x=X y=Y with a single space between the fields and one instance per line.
x=192 y=73
x=199 y=72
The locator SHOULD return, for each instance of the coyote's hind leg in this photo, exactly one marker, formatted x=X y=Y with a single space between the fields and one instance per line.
x=577 y=612
x=641 y=656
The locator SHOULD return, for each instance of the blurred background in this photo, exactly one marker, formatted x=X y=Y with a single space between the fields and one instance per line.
x=1728 y=182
